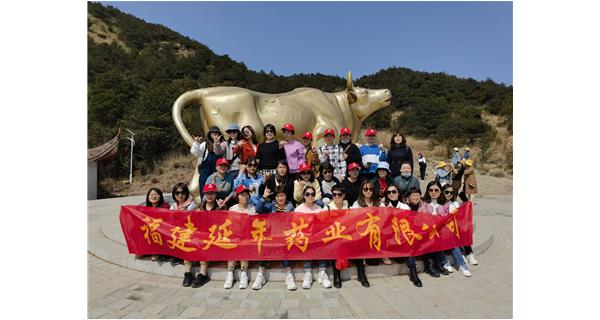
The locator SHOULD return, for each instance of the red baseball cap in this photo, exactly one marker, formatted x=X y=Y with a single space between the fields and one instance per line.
x=307 y=135
x=209 y=187
x=330 y=131
x=304 y=167
x=353 y=165
x=370 y=132
x=241 y=189
x=221 y=161
x=288 y=127
x=345 y=131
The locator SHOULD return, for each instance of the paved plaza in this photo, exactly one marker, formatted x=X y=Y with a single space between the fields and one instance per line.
x=118 y=292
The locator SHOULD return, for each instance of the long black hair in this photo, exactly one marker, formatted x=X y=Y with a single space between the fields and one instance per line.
x=161 y=200
x=427 y=197
x=242 y=136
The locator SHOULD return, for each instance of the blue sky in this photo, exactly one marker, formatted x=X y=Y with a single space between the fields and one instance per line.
x=466 y=39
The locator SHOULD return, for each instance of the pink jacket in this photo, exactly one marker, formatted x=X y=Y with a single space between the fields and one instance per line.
x=294 y=153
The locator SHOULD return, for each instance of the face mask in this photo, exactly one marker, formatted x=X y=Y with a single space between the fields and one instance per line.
x=406 y=174
x=345 y=141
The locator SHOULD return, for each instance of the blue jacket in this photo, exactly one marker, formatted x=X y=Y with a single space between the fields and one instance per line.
x=366 y=150
x=266 y=206
x=248 y=182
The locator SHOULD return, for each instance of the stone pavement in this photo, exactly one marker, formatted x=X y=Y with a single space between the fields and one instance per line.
x=117 y=292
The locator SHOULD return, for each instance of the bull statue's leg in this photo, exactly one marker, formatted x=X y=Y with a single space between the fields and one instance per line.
x=194 y=184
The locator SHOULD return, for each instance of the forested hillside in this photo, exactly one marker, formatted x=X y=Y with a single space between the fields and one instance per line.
x=136 y=70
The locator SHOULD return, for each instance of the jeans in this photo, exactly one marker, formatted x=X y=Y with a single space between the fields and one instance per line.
x=458 y=259
x=411 y=262
x=307 y=264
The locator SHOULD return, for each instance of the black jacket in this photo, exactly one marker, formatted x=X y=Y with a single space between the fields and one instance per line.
x=396 y=156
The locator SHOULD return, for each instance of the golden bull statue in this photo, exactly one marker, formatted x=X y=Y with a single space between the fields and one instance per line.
x=308 y=109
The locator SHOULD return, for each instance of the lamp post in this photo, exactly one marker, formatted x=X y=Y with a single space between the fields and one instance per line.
x=131 y=157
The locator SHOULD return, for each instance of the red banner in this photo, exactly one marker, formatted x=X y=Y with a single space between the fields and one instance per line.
x=354 y=233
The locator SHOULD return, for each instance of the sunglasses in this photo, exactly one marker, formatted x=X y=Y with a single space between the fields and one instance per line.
x=269 y=131
x=178 y=193
x=392 y=191
x=434 y=190
x=310 y=194
x=368 y=189
x=304 y=172
x=327 y=171
x=252 y=165
x=338 y=194
x=449 y=192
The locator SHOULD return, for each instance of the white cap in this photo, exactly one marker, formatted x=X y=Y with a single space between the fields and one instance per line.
x=383 y=165
x=455 y=149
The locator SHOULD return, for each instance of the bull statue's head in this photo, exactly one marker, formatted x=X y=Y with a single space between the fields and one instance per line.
x=366 y=101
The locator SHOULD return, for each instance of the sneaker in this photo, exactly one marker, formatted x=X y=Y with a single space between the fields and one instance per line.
x=465 y=259
x=307 y=282
x=244 y=280
x=289 y=281
x=386 y=261
x=323 y=279
x=464 y=271
x=188 y=278
x=200 y=280
x=471 y=258
x=448 y=267
x=228 y=280
x=259 y=282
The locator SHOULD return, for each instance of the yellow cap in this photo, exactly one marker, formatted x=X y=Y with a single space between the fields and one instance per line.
x=467 y=149
x=441 y=164
x=469 y=162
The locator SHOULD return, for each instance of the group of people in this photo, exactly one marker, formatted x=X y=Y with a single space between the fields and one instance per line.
x=239 y=174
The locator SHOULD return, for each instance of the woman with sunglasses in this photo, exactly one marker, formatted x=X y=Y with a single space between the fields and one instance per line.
x=280 y=178
x=209 y=151
x=309 y=206
x=265 y=205
x=243 y=206
x=231 y=152
x=183 y=202
x=366 y=199
x=326 y=181
x=268 y=152
x=249 y=145
x=305 y=179
x=337 y=203
x=251 y=179
x=433 y=203
x=459 y=259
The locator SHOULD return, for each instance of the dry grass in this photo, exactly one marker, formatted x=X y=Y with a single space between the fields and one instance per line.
x=493 y=176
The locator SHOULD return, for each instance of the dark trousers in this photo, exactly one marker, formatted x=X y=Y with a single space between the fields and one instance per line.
x=468 y=250
x=422 y=167
x=436 y=257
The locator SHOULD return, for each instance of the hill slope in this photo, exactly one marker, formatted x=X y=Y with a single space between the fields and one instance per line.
x=137 y=69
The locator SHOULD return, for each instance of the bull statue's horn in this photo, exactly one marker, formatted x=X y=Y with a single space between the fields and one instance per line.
x=349 y=85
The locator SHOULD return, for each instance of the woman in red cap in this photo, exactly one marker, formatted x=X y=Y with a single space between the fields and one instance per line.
x=352 y=183
x=310 y=153
x=372 y=154
x=334 y=154
x=294 y=150
x=243 y=206
x=306 y=179
x=223 y=180
x=351 y=152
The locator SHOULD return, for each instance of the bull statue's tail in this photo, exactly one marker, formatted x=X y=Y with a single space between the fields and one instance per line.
x=183 y=101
